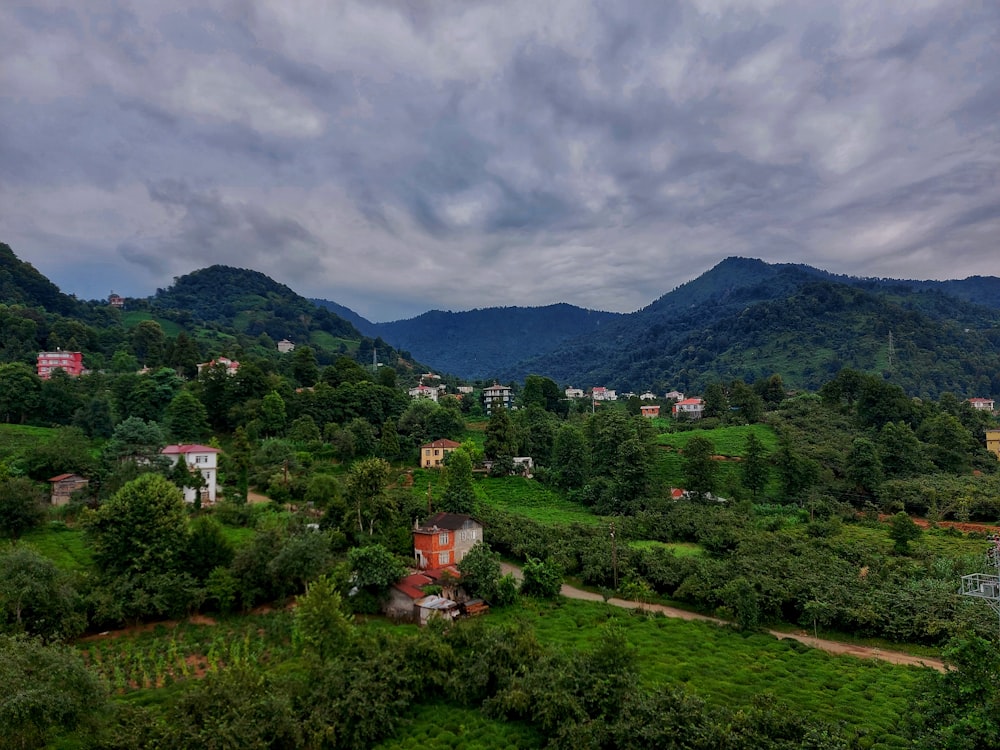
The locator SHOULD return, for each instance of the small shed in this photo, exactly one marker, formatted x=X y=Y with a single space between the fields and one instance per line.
x=432 y=606
x=64 y=485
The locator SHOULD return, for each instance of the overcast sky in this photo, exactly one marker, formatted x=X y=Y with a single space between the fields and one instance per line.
x=403 y=156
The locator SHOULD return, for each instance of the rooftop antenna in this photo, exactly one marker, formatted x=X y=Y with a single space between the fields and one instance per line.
x=986 y=586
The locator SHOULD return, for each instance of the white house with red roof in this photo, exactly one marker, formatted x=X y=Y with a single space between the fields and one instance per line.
x=424 y=391
x=202 y=458
x=691 y=408
x=231 y=365
x=600 y=393
x=981 y=404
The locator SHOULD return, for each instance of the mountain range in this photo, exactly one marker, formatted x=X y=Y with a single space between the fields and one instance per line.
x=744 y=319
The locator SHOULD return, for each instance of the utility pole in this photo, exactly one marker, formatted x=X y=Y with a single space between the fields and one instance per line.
x=614 y=555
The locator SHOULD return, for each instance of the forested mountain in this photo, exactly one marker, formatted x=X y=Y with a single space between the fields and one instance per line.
x=250 y=302
x=746 y=319
x=21 y=284
x=481 y=343
x=213 y=311
x=362 y=324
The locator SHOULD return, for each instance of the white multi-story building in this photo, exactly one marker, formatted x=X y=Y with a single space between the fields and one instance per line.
x=496 y=393
x=202 y=458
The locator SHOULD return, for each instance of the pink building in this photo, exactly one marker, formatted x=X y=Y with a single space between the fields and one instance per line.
x=70 y=362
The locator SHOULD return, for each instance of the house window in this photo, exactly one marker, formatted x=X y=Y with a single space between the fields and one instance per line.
x=201 y=459
x=443 y=558
x=437 y=452
x=442 y=539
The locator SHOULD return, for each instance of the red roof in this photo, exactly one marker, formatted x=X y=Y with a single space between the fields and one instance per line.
x=61 y=477
x=172 y=450
x=443 y=443
x=689 y=401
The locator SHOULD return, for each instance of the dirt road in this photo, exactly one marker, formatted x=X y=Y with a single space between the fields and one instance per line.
x=833 y=647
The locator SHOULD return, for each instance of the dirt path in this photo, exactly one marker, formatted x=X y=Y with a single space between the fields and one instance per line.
x=833 y=647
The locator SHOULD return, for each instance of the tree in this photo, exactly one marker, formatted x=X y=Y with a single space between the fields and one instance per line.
x=36 y=597
x=951 y=441
x=305 y=369
x=501 y=439
x=864 y=468
x=148 y=343
x=135 y=440
x=240 y=456
x=20 y=392
x=142 y=530
x=20 y=506
x=541 y=579
x=207 y=548
x=459 y=495
x=571 y=459
x=715 y=401
x=374 y=568
x=365 y=492
x=753 y=468
x=47 y=690
x=95 y=417
x=749 y=405
x=321 y=626
x=481 y=571
x=795 y=472
x=902 y=531
x=184 y=356
x=900 y=451
x=958 y=707
x=303 y=430
x=187 y=418
x=272 y=414
x=388 y=443
x=699 y=466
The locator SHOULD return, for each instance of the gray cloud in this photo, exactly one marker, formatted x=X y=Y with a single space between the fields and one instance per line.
x=398 y=157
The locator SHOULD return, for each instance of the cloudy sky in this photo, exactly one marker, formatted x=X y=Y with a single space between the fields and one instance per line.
x=402 y=156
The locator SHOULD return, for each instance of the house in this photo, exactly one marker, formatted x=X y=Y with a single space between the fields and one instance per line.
x=674 y=396
x=410 y=600
x=432 y=454
x=993 y=442
x=116 y=300
x=69 y=362
x=496 y=394
x=202 y=458
x=231 y=365
x=648 y=396
x=429 y=376
x=574 y=393
x=981 y=404
x=524 y=465
x=650 y=411
x=64 y=485
x=285 y=346
x=444 y=539
x=600 y=393
x=691 y=408
x=423 y=391
x=464 y=389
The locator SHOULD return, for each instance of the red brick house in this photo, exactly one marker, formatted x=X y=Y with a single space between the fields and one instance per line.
x=444 y=539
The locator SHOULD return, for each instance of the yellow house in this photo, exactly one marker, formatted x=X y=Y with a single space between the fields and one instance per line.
x=993 y=442
x=432 y=454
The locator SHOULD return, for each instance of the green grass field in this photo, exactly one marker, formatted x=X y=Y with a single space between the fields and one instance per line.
x=134 y=318
x=729 y=668
x=680 y=549
x=66 y=546
x=728 y=441
x=528 y=498
x=16 y=440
